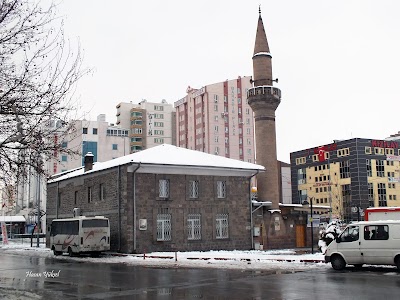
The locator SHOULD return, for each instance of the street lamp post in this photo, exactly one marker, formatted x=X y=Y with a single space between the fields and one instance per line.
x=305 y=202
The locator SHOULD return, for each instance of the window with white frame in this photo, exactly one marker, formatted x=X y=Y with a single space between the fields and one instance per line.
x=163 y=188
x=221 y=226
x=193 y=189
x=194 y=226
x=221 y=189
x=163 y=227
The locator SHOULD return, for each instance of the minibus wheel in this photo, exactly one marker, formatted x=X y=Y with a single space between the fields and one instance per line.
x=397 y=261
x=55 y=252
x=338 y=262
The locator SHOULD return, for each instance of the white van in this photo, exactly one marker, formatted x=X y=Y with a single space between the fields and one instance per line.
x=368 y=242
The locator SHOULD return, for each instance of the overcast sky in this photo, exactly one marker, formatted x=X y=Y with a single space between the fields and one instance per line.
x=337 y=61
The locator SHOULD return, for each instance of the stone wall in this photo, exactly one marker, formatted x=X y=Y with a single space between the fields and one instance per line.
x=131 y=197
x=179 y=205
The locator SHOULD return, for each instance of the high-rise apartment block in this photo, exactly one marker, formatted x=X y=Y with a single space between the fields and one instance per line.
x=217 y=119
x=105 y=141
x=150 y=123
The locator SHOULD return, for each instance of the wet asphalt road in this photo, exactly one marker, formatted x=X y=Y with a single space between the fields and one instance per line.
x=30 y=277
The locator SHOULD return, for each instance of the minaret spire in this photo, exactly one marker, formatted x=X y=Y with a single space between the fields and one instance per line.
x=262 y=66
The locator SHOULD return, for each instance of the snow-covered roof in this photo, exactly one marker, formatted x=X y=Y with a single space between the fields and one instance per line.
x=262 y=54
x=303 y=206
x=169 y=159
x=263 y=203
x=8 y=219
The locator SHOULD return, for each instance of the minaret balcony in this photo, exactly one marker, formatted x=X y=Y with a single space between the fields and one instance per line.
x=264 y=90
x=265 y=96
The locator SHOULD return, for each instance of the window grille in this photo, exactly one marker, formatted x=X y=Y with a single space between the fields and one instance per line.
x=194 y=189
x=194 y=227
x=102 y=195
x=222 y=226
x=163 y=227
x=89 y=194
x=164 y=188
x=221 y=189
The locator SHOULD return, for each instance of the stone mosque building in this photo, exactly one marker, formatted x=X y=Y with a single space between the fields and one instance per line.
x=168 y=198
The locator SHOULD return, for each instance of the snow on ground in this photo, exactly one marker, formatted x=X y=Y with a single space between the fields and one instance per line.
x=288 y=259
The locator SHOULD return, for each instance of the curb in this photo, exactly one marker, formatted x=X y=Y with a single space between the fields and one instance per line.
x=248 y=260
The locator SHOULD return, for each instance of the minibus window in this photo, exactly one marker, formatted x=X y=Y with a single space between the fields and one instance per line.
x=350 y=234
x=376 y=232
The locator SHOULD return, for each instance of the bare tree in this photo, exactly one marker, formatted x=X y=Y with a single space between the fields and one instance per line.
x=38 y=73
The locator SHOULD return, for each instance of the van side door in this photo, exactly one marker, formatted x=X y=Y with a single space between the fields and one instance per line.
x=349 y=245
x=376 y=246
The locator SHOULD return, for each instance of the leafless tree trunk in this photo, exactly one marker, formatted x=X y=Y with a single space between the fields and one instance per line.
x=38 y=73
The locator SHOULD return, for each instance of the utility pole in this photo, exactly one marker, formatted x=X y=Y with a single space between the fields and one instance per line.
x=38 y=209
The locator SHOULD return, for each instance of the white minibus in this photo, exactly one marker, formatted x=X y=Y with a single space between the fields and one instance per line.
x=367 y=242
x=78 y=235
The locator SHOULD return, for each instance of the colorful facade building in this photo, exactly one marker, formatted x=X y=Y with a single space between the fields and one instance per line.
x=348 y=175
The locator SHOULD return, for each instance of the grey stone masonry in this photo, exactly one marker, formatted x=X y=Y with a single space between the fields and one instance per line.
x=132 y=202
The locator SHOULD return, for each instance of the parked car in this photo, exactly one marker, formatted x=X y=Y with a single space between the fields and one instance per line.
x=367 y=242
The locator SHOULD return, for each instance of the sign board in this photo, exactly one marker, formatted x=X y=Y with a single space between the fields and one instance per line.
x=393 y=179
x=393 y=157
x=316 y=219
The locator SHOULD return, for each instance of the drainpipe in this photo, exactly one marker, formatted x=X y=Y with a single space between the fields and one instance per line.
x=57 y=198
x=119 y=207
x=134 y=207
x=251 y=210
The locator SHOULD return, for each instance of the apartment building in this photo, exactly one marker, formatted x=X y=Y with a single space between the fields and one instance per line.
x=105 y=141
x=216 y=119
x=349 y=175
x=150 y=123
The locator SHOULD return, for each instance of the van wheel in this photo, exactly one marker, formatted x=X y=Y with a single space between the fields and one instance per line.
x=338 y=262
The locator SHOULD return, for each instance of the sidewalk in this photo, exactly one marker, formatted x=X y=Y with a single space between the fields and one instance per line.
x=299 y=255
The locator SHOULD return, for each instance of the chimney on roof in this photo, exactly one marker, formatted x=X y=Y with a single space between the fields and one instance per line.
x=88 y=161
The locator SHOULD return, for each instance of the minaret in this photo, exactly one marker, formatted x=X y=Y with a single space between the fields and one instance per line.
x=264 y=99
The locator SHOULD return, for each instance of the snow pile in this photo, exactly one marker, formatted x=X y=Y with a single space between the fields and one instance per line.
x=328 y=235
